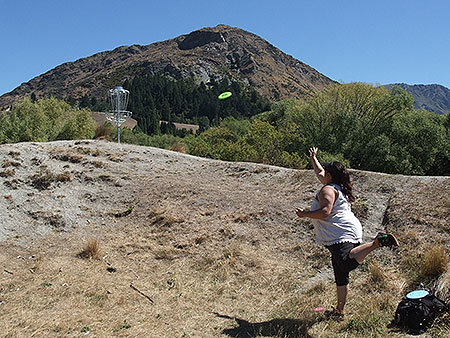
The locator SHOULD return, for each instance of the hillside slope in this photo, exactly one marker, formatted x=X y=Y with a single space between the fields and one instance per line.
x=210 y=248
x=209 y=52
x=434 y=97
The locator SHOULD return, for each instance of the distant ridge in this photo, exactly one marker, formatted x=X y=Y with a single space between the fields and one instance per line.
x=213 y=52
x=432 y=97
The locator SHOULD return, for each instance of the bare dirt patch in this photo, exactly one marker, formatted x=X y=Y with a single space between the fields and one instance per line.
x=192 y=247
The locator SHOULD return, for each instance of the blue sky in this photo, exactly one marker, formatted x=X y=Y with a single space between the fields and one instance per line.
x=376 y=42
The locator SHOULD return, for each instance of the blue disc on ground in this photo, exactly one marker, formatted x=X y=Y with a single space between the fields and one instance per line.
x=417 y=294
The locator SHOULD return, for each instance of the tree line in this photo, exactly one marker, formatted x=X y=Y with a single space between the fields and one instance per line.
x=156 y=97
x=366 y=127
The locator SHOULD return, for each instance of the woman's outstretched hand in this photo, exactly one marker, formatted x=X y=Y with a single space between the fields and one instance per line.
x=300 y=212
x=313 y=152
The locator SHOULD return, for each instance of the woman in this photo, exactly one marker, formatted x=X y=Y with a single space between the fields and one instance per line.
x=336 y=226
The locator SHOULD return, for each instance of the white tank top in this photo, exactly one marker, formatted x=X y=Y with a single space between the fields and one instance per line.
x=340 y=226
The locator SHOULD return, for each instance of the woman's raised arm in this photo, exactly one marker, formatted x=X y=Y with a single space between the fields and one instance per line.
x=318 y=169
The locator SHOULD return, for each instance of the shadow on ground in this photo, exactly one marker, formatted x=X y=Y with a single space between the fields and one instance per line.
x=289 y=328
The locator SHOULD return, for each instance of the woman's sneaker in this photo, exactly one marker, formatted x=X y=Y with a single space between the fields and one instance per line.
x=387 y=239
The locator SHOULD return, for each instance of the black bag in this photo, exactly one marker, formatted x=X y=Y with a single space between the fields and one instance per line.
x=416 y=315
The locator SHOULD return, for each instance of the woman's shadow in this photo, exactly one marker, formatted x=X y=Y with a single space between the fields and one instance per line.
x=289 y=328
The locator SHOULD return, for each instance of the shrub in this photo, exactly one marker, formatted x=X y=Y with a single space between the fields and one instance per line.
x=104 y=131
x=45 y=120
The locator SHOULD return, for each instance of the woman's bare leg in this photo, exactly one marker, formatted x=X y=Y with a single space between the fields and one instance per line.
x=361 y=251
x=342 y=292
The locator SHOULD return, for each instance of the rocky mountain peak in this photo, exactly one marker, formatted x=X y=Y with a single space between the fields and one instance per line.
x=212 y=52
x=200 y=38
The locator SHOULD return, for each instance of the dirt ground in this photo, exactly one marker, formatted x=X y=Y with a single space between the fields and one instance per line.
x=188 y=246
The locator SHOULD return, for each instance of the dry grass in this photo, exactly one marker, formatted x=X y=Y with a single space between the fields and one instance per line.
x=91 y=250
x=218 y=255
x=43 y=179
x=434 y=261
x=67 y=156
x=7 y=173
x=63 y=177
x=377 y=275
x=87 y=151
x=8 y=163
x=360 y=208
x=203 y=288
x=118 y=157
x=97 y=164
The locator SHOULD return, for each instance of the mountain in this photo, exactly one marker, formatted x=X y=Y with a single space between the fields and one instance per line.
x=218 y=52
x=433 y=97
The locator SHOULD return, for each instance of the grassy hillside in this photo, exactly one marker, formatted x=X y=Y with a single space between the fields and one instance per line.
x=129 y=241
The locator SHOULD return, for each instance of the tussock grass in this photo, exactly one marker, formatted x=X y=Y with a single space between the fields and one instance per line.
x=434 y=261
x=443 y=287
x=8 y=163
x=377 y=276
x=87 y=151
x=97 y=164
x=117 y=157
x=63 y=177
x=91 y=250
x=67 y=157
x=14 y=154
x=43 y=179
x=7 y=173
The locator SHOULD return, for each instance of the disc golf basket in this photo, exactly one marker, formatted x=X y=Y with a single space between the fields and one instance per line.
x=118 y=101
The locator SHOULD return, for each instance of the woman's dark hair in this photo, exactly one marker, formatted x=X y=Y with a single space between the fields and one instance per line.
x=341 y=177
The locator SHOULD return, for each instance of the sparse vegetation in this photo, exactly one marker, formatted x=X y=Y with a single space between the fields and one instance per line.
x=124 y=326
x=124 y=213
x=7 y=173
x=215 y=245
x=91 y=250
x=434 y=261
x=43 y=179
x=63 y=177
x=8 y=163
x=67 y=156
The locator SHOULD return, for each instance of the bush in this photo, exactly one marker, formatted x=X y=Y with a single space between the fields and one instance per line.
x=45 y=120
x=79 y=125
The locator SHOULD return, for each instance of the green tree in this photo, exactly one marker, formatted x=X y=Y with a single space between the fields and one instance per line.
x=45 y=120
x=79 y=125
x=203 y=123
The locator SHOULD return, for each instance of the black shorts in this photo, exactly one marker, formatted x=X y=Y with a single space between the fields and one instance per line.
x=342 y=264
